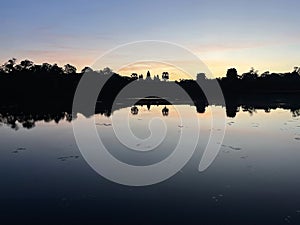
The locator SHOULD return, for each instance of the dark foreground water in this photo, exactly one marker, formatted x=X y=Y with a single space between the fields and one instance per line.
x=253 y=180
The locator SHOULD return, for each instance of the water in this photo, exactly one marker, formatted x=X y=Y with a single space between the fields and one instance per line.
x=253 y=180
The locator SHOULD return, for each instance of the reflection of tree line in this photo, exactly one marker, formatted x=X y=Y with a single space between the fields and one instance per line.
x=28 y=120
x=266 y=102
x=17 y=114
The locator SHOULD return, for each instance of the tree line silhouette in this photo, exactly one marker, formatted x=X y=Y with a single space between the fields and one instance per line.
x=266 y=82
x=52 y=80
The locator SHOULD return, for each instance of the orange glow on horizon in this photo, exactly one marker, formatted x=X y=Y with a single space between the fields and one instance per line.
x=155 y=68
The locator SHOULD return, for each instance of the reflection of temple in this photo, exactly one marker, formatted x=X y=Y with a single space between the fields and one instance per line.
x=200 y=106
x=134 y=110
x=165 y=111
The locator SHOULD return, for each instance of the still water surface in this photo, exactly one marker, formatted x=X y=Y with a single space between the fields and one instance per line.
x=253 y=180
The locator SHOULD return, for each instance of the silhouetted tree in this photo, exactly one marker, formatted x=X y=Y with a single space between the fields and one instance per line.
x=265 y=74
x=87 y=69
x=201 y=77
x=1 y=70
x=8 y=67
x=251 y=75
x=56 y=70
x=26 y=64
x=232 y=74
x=106 y=71
x=295 y=74
x=46 y=67
x=69 y=69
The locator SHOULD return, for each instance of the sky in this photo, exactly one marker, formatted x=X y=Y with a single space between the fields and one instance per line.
x=223 y=34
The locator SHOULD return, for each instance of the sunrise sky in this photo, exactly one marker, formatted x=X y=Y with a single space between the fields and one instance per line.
x=223 y=34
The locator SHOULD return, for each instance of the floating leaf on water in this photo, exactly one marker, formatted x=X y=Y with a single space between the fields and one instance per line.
x=235 y=148
x=104 y=124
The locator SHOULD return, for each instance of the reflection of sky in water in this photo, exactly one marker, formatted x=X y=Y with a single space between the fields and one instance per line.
x=254 y=177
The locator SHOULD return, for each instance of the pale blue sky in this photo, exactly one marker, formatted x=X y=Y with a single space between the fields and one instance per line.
x=239 y=33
